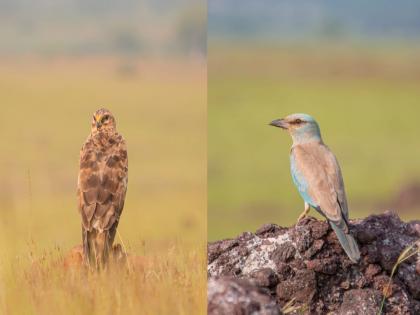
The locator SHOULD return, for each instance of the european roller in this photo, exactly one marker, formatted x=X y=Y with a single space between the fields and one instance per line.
x=317 y=176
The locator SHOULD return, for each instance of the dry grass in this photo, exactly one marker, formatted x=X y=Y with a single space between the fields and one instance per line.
x=291 y=308
x=159 y=283
x=407 y=253
x=46 y=109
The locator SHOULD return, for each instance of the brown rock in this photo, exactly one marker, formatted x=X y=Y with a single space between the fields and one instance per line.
x=302 y=237
x=215 y=249
x=283 y=270
x=388 y=256
x=326 y=265
x=366 y=236
x=414 y=228
x=409 y=276
x=301 y=287
x=360 y=302
x=238 y=297
x=283 y=252
x=380 y=282
x=315 y=248
x=319 y=229
x=372 y=270
x=269 y=230
x=265 y=277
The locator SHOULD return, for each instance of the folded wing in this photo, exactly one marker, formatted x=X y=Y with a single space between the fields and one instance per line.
x=319 y=168
x=102 y=186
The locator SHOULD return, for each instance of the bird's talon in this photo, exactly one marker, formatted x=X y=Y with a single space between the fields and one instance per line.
x=301 y=217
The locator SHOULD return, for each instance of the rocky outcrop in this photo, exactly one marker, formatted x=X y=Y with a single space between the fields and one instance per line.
x=303 y=270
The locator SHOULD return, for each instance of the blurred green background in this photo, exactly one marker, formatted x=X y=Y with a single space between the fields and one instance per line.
x=354 y=66
x=47 y=108
x=59 y=62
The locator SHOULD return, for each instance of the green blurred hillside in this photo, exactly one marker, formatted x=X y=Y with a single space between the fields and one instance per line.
x=365 y=99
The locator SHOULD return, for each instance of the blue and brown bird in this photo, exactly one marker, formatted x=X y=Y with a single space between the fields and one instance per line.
x=317 y=176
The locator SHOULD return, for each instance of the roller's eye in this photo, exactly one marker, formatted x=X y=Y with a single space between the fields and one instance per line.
x=297 y=121
x=104 y=119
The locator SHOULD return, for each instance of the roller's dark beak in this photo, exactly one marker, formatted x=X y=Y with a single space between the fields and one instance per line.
x=280 y=123
x=98 y=124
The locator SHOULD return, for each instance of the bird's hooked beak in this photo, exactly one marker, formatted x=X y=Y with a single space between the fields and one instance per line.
x=98 y=121
x=280 y=123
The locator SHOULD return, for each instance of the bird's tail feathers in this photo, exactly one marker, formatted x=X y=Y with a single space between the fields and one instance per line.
x=348 y=243
x=96 y=248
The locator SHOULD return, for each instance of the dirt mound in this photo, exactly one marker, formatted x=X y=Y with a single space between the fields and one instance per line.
x=74 y=259
x=304 y=268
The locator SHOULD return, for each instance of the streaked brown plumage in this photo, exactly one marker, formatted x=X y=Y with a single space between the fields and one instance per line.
x=102 y=185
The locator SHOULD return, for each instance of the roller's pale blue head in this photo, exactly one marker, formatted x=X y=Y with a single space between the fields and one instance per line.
x=301 y=127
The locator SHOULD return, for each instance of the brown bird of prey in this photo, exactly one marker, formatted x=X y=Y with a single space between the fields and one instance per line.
x=102 y=185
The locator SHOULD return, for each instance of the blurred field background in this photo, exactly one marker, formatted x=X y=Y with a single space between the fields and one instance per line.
x=145 y=61
x=353 y=65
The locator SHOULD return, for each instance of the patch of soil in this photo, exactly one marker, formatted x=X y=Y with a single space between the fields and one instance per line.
x=74 y=259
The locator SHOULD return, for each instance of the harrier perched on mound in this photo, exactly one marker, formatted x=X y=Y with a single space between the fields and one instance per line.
x=102 y=185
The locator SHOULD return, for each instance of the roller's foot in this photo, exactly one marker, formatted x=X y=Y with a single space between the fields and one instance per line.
x=304 y=213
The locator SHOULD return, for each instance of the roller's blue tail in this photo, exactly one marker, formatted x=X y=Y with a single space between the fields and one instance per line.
x=348 y=243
